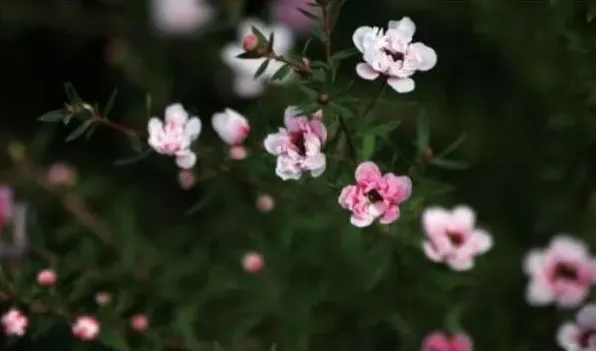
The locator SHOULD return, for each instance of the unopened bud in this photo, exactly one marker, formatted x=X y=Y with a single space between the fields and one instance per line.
x=250 y=42
x=324 y=99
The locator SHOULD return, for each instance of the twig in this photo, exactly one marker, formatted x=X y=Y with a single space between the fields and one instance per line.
x=326 y=9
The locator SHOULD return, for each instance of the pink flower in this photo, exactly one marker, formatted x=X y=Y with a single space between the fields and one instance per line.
x=186 y=179
x=438 y=341
x=265 y=203
x=232 y=127
x=47 y=278
x=298 y=146
x=139 y=322
x=86 y=328
x=61 y=174
x=175 y=137
x=392 y=54
x=180 y=17
x=253 y=262
x=375 y=195
x=286 y=12
x=452 y=238
x=14 y=322
x=562 y=273
x=238 y=153
x=6 y=205
x=581 y=335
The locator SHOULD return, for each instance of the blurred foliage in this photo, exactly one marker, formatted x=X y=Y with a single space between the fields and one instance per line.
x=517 y=78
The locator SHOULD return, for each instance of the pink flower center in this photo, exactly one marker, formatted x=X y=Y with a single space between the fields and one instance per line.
x=565 y=271
x=586 y=337
x=457 y=238
x=298 y=141
x=373 y=196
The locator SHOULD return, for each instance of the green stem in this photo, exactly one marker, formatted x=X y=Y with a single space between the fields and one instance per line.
x=374 y=100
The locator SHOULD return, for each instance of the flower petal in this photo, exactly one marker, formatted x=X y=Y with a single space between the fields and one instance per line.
x=436 y=341
x=461 y=264
x=586 y=317
x=284 y=39
x=365 y=71
x=461 y=342
x=405 y=27
x=390 y=215
x=430 y=252
x=316 y=164
x=435 y=221
x=175 y=113
x=463 y=218
x=425 y=57
x=186 y=160
x=401 y=85
x=193 y=127
x=367 y=171
x=538 y=293
x=361 y=222
x=287 y=169
x=567 y=336
x=359 y=35
x=534 y=262
x=482 y=241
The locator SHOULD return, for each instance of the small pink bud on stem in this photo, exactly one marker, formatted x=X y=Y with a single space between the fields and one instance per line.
x=253 y=262
x=250 y=42
x=47 y=278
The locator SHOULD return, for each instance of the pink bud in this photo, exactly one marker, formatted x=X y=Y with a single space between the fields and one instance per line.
x=265 y=203
x=47 y=278
x=139 y=322
x=186 y=179
x=61 y=174
x=86 y=328
x=102 y=298
x=250 y=42
x=14 y=322
x=238 y=153
x=253 y=262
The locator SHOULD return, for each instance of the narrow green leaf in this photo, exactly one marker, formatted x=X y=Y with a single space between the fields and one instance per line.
x=342 y=110
x=184 y=322
x=319 y=34
x=308 y=41
x=79 y=131
x=383 y=130
x=110 y=103
x=110 y=338
x=368 y=146
x=422 y=131
x=271 y=39
x=260 y=36
x=249 y=55
x=344 y=54
x=133 y=159
x=281 y=73
x=90 y=131
x=136 y=144
x=453 y=146
x=53 y=116
x=310 y=93
x=448 y=164
x=308 y=14
x=201 y=203
x=71 y=93
x=261 y=69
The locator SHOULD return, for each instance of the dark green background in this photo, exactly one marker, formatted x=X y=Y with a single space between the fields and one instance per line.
x=518 y=77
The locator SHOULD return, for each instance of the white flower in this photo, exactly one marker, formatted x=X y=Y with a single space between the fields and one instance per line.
x=298 y=146
x=232 y=127
x=14 y=322
x=581 y=334
x=176 y=135
x=86 y=328
x=180 y=17
x=392 y=54
x=244 y=84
